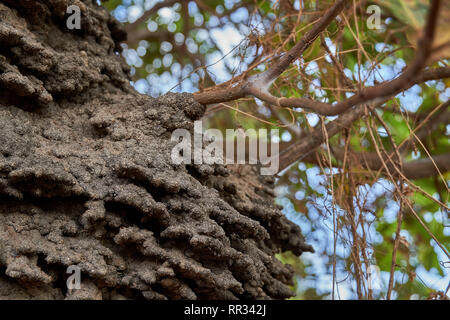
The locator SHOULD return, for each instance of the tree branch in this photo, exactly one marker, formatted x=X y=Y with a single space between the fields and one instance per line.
x=257 y=85
x=277 y=69
x=307 y=144
x=369 y=94
x=263 y=80
x=417 y=169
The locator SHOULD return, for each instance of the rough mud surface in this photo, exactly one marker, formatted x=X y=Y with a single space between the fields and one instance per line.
x=86 y=178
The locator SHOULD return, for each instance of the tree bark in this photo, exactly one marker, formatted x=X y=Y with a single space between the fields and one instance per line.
x=86 y=178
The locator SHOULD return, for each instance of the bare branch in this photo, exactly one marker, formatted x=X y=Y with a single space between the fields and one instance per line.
x=369 y=94
x=277 y=69
x=417 y=169
x=257 y=85
x=307 y=145
x=263 y=80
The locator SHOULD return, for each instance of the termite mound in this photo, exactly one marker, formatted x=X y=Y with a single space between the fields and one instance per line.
x=86 y=178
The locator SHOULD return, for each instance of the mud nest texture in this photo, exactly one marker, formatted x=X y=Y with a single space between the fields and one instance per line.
x=86 y=178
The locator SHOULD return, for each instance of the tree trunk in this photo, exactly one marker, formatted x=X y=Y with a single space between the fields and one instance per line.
x=86 y=178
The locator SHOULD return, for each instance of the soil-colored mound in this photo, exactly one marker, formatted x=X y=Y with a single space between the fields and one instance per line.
x=86 y=178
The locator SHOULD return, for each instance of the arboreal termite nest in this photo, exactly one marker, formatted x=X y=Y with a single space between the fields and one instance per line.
x=86 y=178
